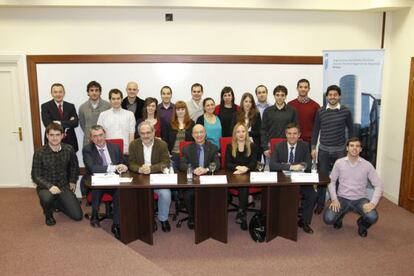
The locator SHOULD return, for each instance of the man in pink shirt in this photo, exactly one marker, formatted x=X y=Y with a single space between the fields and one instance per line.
x=353 y=173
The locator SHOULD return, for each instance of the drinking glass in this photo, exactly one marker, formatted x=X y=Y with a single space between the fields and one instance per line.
x=212 y=167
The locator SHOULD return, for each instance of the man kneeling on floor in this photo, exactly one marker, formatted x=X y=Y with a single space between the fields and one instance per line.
x=55 y=171
x=353 y=173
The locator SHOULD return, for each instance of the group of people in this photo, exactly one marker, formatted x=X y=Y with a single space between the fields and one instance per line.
x=152 y=133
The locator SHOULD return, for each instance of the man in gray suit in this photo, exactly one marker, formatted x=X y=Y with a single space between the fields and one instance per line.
x=147 y=155
x=102 y=157
x=199 y=155
x=294 y=155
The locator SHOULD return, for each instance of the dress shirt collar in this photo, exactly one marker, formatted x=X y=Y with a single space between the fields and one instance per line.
x=200 y=104
x=58 y=149
x=338 y=106
x=57 y=104
x=283 y=107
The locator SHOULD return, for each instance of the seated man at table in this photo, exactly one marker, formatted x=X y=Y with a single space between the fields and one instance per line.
x=148 y=154
x=353 y=173
x=199 y=155
x=102 y=157
x=55 y=171
x=294 y=155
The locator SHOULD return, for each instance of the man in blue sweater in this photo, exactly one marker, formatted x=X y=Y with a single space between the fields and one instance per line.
x=333 y=124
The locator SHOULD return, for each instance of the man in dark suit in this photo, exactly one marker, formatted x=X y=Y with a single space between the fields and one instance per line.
x=102 y=157
x=62 y=113
x=147 y=155
x=294 y=155
x=199 y=155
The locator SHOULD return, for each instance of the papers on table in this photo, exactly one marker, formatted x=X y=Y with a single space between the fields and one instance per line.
x=304 y=177
x=263 y=177
x=213 y=179
x=102 y=179
x=160 y=179
x=125 y=179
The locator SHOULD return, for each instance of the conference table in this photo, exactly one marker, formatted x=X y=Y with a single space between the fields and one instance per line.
x=280 y=202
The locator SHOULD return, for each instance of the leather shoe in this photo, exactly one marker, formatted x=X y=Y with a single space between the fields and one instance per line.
x=306 y=227
x=95 y=219
x=190 y=223
x=116 y=231
x=362 y=230
x=165 y=226
x=50 y=221
x=318 y=210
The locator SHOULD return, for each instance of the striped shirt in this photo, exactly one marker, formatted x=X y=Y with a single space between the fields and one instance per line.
x=353 y=180
x=331 y=125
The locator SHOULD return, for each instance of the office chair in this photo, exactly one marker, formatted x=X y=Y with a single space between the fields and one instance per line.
x=224 y=142
x=105 y=198
x=179 y=204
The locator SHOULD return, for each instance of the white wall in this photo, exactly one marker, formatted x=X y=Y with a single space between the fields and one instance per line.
x=399 y=50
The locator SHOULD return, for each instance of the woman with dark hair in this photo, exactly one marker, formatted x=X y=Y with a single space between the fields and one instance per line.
x=226 y=110
x=250 y=116
x=149 y=114
x=178 y=130
x=241 y=157
x=211 y=122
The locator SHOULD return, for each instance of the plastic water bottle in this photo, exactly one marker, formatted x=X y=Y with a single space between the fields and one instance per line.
x=267 y=167
x=314 y=168
x=189 y=174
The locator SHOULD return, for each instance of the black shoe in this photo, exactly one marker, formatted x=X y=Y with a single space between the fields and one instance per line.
x=190 y=223
x=306 y=227
x=243 y=225
x=50 y=221
x=95 y=219
x=338 y=224
x=154 y=227
x=362 y=230
x=116 y=231
x=318 y=210
x=241 y=219
x=165 y=226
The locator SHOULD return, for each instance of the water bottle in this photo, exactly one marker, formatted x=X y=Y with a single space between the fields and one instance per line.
x=189 y=174
x=314 y=168
x=171 y=170
x=267 y=167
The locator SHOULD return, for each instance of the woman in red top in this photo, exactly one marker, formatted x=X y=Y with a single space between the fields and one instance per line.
x=226 y=110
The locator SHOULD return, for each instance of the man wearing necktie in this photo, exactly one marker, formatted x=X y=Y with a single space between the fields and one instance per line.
x=102 y=157
x=199 y=155
x=62 y=113
x=294 y=155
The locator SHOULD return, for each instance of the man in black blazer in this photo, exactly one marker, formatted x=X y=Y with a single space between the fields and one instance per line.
x=102 y=157
x=132 y=102
x=193 y=154
x=292 y=156
x=62 y=113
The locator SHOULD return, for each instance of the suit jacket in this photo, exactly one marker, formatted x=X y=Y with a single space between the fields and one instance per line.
x=279 y=158
x=159 y=155
x=93 y=161
x=140 y=105
x=50 y=113
x=190 y=156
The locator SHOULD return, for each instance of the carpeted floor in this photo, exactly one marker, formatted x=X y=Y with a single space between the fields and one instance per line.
x=28 y=247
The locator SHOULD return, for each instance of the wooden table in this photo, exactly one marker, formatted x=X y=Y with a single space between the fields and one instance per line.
x=280 y=202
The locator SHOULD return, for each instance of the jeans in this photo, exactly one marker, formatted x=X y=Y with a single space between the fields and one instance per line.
x=164 y=201
x=330 y=217
x=66 y=201
x=326 y=161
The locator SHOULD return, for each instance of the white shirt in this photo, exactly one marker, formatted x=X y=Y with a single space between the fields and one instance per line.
x=147 y=153
x=118 y=124
x=294 y=151
x=111 y=168
x=195 y=110
x=338 y=106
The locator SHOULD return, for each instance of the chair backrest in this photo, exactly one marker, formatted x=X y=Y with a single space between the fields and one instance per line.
x=274 y=142
x=224 y=141
x=182 y=145
x=119 y=142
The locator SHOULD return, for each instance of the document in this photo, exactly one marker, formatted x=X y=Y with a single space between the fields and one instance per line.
x=213 y=179
x=160 y=179
x=105 y=179
x=263 y=177
x=304 y=177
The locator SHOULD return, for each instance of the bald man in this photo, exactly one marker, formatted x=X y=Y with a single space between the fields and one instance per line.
x=132 y=102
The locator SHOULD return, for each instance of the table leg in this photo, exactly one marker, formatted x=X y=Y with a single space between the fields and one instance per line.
x=211 y=214
x=136 y=214
x=282 y=212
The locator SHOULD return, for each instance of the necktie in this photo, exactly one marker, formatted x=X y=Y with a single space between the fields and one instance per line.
x=200 y=151
x=60 y=111
x=104 y=161
x=291 y=157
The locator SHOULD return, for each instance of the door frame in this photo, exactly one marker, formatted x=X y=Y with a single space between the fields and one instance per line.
x=406 y=197
x=17 y=65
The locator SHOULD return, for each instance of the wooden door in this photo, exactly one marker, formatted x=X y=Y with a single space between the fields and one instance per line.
x=406 y=199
